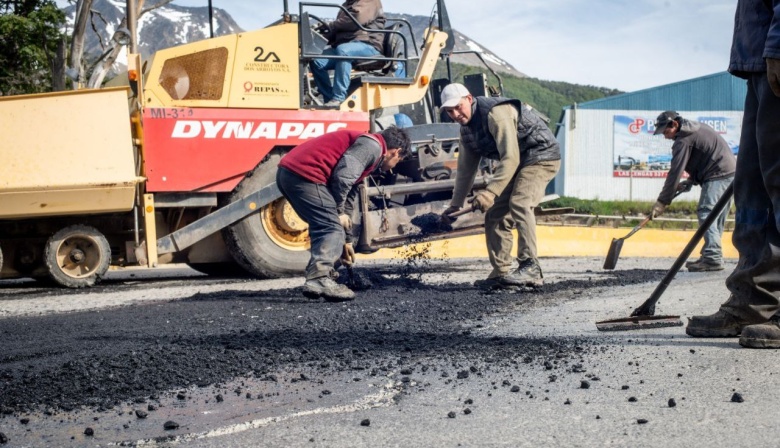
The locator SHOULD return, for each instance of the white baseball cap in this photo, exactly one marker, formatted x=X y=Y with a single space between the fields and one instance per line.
x=452 y=94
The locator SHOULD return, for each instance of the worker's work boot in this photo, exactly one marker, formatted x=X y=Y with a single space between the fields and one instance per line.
x=495 y=284
x=690 y=262
x=528 y=274
x=762 y=335
x=704 y=265
x=327 y=288
x=718 y=325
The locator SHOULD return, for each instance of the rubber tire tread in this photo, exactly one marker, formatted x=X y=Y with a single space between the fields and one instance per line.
x=50 y=256
x=247 y=240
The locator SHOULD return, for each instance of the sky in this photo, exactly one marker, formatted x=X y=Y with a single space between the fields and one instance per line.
x=622 y=44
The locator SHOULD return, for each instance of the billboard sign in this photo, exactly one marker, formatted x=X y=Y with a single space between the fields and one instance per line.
x=639 y=153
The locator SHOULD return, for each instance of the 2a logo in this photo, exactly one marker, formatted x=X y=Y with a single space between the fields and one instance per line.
x=270 y=55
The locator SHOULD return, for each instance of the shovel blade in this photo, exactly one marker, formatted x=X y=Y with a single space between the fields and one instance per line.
x=613 y=253
x=639 y=323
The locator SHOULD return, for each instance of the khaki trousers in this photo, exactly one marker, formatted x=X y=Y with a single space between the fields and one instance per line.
x=514 y=207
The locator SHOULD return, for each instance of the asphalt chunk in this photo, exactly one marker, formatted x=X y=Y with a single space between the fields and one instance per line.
x=737 y=398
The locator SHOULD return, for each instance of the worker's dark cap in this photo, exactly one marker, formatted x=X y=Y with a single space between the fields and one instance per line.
x=663 y=120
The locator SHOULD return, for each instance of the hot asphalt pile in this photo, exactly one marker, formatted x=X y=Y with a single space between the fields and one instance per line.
x=99 y=360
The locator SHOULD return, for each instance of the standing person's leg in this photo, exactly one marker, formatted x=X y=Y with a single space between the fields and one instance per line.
x=316 y=206
x=755 y=224
x=319 y=70
x=344 y=67
x=527 y=191
x=760 y=276
x=498 y=234
x=712 y=251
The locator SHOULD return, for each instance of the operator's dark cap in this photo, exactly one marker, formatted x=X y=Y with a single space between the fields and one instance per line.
x=663 y=121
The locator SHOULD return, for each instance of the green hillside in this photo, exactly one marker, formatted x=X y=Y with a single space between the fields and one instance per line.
x=548 y=97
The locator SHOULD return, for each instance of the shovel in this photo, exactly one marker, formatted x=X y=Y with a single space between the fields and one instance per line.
x=617 y=244
x=643 y=316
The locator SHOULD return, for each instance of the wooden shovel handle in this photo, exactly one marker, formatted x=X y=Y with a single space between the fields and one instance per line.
x=461 y=212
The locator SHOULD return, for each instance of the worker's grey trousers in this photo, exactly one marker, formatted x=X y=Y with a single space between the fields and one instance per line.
x=755 y=283
x=315 y=204
x=711 y=191
x=514 y=207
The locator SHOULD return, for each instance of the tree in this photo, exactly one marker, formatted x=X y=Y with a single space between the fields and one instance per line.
x=31 y=46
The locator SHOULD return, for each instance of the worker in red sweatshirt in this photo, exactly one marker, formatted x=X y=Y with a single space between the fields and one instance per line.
x=319 y=178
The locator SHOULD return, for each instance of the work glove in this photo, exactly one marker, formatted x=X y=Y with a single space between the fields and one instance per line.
x=346 y=222
x=658 y=210
x=483 y=201
x=773 y=75
x=684 y=186
x=445 y=216
x=348 y=255
x=324 y=29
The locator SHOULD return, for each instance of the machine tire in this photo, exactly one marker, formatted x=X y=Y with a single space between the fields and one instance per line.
x=251 y=241
x=77 y=256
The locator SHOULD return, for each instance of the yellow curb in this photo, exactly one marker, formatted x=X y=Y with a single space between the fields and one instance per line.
x=556 y=241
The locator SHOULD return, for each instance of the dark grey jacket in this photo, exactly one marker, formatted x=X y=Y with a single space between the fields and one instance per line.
x=756 y=36
x=700 y=151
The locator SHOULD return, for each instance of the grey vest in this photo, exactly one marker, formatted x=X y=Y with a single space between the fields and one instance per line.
x=537 y=142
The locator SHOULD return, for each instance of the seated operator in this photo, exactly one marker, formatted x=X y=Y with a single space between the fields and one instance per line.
x=345 y=38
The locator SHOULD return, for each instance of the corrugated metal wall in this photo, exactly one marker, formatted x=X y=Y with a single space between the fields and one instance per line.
x=588 y=156
x=587 y=134
x=719 y=91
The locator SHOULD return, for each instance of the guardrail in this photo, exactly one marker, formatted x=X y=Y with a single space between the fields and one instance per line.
x=581 y=220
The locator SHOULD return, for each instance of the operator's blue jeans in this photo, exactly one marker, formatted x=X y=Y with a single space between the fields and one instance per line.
x=315 y=205
x=341 y=69
x=711 y=191
x=755 y=282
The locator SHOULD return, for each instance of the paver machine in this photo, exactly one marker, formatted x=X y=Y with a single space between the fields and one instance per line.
x=174 y=161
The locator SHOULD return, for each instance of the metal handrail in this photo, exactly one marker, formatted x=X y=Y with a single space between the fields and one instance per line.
x=379 y=57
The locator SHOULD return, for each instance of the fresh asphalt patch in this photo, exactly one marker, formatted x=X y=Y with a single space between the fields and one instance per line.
x=125 y=372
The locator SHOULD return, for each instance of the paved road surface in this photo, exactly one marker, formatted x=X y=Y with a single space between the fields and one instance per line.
x=423 y=359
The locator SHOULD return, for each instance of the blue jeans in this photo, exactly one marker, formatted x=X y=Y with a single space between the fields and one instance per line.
x=711 y=191
x=400 y=70
x=755 y=282
x=341 y=69
x=315 y=205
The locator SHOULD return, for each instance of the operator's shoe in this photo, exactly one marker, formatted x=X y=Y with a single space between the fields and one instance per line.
x=718 y=325
x=704 y=265
x=333 y=103
x=528 y=274
x=765 y=335
x=327 y=288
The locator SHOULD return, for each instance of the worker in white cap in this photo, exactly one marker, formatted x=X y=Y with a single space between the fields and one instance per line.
x=528 y=157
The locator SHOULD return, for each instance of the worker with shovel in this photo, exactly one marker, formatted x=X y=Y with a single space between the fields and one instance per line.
x=753 y=309
x=709 y=162
x=319 y=179
x=528 y=157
